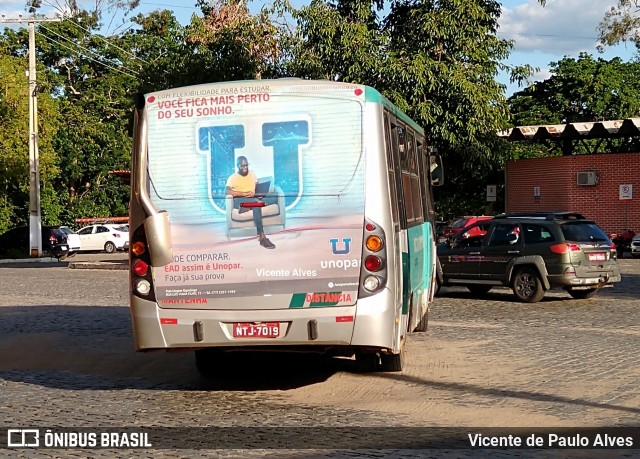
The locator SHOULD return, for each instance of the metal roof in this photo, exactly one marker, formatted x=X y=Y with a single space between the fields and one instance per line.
x=629 y=127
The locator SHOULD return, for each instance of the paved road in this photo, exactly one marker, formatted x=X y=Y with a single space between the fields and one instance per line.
x=66 y=359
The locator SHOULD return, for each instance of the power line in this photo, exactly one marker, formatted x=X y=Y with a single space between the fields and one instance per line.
x=546 y=35
x=171 y=6
x=107 y=41
x=87 y=57
x=79 y=46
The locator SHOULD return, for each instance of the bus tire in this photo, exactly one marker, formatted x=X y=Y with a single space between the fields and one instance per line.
x=392 y=362
x=424 y=323
x=207 y=361
x=367 y=362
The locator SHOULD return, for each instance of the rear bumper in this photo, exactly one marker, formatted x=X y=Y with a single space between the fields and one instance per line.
x=161 y=328
x=591 y=281
x=59 y=250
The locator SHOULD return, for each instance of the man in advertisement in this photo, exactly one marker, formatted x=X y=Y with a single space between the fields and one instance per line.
x=242 y=186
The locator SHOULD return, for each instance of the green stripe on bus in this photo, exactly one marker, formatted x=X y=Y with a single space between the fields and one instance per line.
x=297 y=300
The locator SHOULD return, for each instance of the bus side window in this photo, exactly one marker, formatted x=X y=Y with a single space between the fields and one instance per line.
x=391 y=172
x=416 y=195
x=406 y=178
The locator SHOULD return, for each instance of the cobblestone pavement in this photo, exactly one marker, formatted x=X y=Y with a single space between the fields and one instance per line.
x=67 y=360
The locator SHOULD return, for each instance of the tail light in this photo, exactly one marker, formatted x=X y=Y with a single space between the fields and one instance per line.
x=565 y=248
x=373 y=273
x=141 y=268
x=116 y=235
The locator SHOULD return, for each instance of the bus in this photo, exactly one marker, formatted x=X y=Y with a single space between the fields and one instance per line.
x=345 y=204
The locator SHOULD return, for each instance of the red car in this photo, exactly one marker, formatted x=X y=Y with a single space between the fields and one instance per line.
x=458 y=224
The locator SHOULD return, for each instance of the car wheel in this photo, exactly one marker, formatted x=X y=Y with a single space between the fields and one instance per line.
x=526 y=285
x=477 y=289
x=110 y=247
x=583 y=294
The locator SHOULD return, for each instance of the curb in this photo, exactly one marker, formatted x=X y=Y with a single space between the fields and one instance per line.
x=31 y=260
x=101 y=265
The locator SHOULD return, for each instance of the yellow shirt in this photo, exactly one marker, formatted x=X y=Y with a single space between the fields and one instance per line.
x=241 y=183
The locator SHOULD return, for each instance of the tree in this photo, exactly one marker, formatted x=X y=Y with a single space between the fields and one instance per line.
x=14 y=142
x=581 y=90
x=621 y=24
x=436 y=60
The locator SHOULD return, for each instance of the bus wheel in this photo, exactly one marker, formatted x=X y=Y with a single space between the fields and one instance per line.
x=392 y=362
x=207 y=361
x=424 y=323
x=367 y=362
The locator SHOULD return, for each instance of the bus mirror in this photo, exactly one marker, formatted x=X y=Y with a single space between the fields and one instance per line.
x=158 y=231
x=437 y=170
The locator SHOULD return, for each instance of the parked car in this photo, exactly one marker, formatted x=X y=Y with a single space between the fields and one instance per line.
x=460 y=223
x=531 y=253
x=107 y=237
x=440 y=226
x=15 y=242
x=635 y=247
x=72 y=239
x=622 y=240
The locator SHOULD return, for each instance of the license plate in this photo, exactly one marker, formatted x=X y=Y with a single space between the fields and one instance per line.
x=261 y=330
x=597 y=256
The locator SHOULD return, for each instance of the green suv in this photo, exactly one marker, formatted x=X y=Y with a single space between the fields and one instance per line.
x=531 y=253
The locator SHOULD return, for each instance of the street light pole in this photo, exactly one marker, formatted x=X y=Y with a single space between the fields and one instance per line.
x=35 y=218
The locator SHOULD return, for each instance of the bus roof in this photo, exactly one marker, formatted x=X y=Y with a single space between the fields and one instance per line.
x=371 y=94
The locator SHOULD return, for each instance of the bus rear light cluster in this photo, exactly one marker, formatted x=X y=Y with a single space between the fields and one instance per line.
x=373 y=274
x=140 y=266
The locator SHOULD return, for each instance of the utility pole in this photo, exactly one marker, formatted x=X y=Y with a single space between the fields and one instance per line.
x=35 y=220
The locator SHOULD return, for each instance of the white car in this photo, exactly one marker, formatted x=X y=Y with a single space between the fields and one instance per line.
x=107 y=237
x=73 y=240
x=635 y=247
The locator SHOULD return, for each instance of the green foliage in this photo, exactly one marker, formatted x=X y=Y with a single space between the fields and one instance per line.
x=436 y=59
x=582 y=89
x=14 y=140
x=620 y=24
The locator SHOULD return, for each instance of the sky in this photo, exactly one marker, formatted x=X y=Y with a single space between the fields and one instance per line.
x=542 y=35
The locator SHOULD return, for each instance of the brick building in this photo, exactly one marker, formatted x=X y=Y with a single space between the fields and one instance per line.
x=604 y=187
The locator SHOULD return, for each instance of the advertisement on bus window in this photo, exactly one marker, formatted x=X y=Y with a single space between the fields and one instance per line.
x=264 y=190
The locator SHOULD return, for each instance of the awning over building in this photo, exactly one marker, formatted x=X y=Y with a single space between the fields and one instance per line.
x=629 y=127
